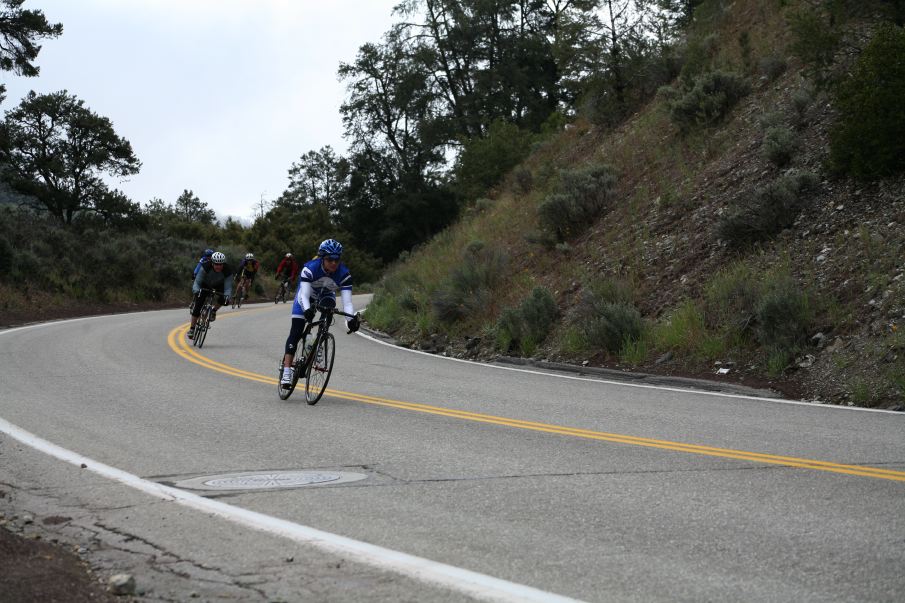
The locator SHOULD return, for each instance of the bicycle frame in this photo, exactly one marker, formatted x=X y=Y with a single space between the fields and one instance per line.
x=303 y=363
x=323 y=325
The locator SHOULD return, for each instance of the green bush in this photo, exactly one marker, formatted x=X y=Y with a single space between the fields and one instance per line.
x=708 y=100
x=683 y=330
x=779 y=145
x=815 y=42
x=802 y=99
x=868 y=139
x=395 y=304
x=698 y=57
x=783 y=317
x=524 y=180
x=29 y=239
x=771 y=119
x=608 y=316
x=610 y=291
x=581 y=196
x=467 y=289
x=771 y=67
x=525 y=327
x=731 y=298
x=384 y=313
x=613 y=325
x=485 y=160
x=770 y=210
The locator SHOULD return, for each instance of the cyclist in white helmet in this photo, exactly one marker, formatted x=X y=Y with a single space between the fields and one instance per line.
x=246 y=273
x=287 y=270
x=215 y=277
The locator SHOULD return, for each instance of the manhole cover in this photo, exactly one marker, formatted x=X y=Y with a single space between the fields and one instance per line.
x=268 y=480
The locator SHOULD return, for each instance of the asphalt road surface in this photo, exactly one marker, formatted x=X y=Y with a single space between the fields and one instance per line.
x=422 y=478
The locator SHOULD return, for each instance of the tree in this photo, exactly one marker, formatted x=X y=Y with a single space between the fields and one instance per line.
x=395 y=125
x=570 y=26
x=319 y=177
x=189 y=208
x=159 y=213
x=868 y=138
x=19 y=29
x=494 y=59
x=117 y=209
x=391 y=108
x=57 y=150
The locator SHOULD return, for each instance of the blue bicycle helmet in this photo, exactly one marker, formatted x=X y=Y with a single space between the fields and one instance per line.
x=208 y=252
x=330 y=248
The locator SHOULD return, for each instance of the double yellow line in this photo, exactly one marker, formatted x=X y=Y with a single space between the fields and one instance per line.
x=181 y=346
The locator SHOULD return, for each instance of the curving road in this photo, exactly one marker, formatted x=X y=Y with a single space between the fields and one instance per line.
x=465 y=480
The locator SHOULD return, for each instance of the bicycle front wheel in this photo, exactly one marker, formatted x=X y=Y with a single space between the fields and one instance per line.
x=319 y=368
x=202 y=326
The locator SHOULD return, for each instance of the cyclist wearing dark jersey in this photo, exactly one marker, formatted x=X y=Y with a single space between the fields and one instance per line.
x=288 y=269
x=248 y=268
x=215 y=277
x=320 y=279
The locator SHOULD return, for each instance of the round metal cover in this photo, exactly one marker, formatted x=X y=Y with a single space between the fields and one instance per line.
x=268 y=480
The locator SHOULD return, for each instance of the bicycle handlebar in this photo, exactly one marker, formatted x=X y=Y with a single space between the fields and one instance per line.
x=331 y=310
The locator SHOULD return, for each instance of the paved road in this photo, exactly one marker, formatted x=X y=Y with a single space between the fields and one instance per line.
x=559 y=485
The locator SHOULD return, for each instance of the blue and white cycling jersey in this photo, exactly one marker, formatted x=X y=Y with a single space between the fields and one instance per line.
x=316 y=285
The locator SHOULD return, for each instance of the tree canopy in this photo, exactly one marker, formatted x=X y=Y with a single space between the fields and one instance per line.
x=57 y=151
x=19 y=31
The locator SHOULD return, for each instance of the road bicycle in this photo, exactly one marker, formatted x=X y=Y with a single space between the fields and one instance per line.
x=241 y=292
x=282 y=292
x=204 y=319
x=314 y=360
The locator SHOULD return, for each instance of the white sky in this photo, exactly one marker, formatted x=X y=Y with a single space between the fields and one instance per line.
x=216 y=96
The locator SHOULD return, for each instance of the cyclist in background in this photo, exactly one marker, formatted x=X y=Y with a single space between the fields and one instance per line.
x=320 y=279
x=247 y=271
x=287 y=270
x=214 y=276
x=204 y=260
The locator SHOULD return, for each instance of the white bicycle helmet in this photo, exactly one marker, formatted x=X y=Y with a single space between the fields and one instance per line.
x=218 y=257
x=249 y=256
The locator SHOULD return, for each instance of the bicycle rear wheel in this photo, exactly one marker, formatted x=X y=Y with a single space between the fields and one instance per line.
x=297 y=366
x=319 y=368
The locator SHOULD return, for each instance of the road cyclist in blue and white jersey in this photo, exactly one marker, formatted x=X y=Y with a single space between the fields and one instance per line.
x=319 y=281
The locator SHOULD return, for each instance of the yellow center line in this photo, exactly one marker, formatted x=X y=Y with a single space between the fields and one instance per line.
x=178 y=344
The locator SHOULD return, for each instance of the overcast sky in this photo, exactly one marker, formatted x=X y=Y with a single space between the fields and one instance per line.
x=216 y=96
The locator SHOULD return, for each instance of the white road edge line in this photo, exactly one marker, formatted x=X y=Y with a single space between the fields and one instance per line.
x=689 y=390
x=473 y=584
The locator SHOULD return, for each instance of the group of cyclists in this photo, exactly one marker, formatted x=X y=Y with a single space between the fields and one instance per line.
x=319 y=280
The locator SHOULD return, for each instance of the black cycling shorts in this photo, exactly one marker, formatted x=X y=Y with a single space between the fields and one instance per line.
x=201 y=297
